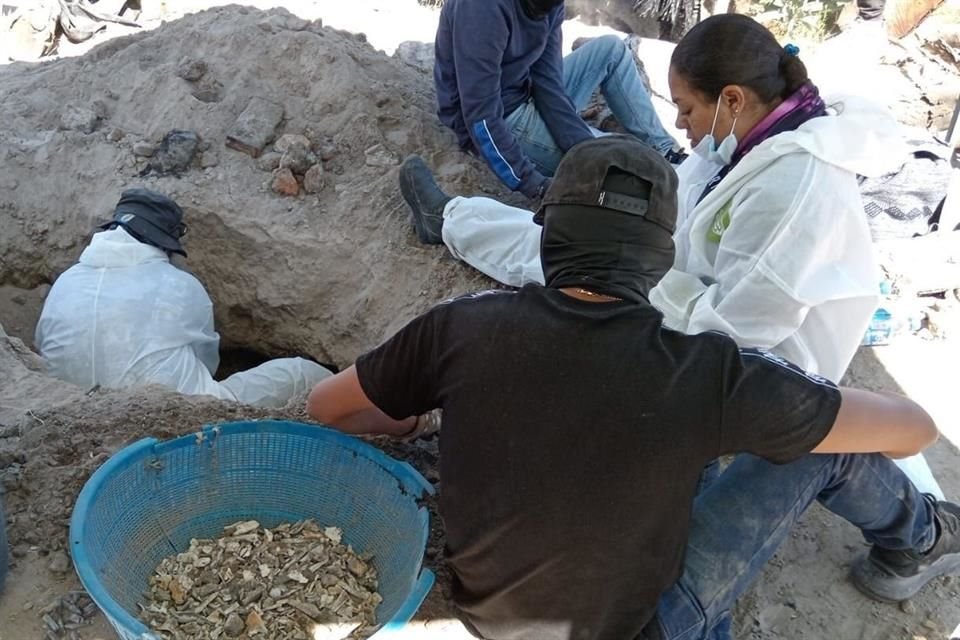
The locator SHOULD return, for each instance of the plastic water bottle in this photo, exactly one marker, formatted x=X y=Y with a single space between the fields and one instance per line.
x=892 y=317
x=880 y=328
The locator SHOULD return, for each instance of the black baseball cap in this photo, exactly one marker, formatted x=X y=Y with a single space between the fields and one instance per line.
x=598 y=172
x=150 y=217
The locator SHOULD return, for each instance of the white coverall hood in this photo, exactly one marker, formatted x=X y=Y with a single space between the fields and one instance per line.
x=125 y=316
x=858 y=135
x=117 y=249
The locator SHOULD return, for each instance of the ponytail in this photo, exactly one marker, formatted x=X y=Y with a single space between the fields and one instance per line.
x=793 y=72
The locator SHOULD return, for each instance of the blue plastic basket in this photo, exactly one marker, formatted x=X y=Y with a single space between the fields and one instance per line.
x=151 y=498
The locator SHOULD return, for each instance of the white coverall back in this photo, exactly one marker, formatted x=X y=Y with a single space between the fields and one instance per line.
x=124 y=316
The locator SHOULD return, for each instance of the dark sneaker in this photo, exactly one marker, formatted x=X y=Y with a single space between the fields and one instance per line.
x=425 y=198
x=675 y=156
x=893 y=576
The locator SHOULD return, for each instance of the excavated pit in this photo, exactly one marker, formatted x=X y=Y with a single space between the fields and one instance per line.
x=239 y=358
x=326 y=274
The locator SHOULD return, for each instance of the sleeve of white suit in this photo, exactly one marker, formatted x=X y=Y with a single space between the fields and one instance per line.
x=776 y=258
x=754 y=311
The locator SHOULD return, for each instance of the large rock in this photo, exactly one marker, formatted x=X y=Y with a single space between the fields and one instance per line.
x=255 y=127
x=416 y=54
x=328 y=276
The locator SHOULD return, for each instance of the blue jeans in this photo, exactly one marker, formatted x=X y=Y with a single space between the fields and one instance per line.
x=607 y=63
x=741 y=519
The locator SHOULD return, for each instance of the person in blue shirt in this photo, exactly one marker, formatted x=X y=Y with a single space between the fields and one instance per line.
x=509 y=95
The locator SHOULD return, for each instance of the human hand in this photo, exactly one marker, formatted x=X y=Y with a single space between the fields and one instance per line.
x=424 y=426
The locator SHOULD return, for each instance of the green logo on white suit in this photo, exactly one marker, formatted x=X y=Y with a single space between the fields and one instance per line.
x=720 y=223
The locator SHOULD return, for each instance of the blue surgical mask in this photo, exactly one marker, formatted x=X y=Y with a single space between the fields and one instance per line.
x=707 y=147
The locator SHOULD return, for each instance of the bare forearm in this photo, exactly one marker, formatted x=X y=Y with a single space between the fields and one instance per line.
x=339 y=401
x=879 y=423
x=369 y=421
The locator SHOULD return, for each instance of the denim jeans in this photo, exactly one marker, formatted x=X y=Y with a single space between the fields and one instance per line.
x=741 y=519
x=607 y=63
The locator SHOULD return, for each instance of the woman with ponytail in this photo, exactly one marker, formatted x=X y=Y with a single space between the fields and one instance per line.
x=773 y=246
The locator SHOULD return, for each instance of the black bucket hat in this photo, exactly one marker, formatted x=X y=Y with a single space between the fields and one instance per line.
x=151 y=218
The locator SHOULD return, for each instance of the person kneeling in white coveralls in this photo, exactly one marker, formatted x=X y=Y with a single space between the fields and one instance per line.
x=125 y=316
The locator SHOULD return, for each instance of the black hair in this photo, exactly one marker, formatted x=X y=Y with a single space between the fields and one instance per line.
x=732 y=48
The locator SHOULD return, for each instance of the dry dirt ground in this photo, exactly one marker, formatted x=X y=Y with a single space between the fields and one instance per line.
x=326 y=274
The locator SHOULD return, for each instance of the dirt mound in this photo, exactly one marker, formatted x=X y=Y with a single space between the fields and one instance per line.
x=327 y=274
x=53 y=435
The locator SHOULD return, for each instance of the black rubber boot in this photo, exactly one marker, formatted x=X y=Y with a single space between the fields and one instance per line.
x=893 y=576
x=425 y=198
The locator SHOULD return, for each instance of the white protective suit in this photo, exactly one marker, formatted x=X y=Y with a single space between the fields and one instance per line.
x=124 y=316
x=777 y=256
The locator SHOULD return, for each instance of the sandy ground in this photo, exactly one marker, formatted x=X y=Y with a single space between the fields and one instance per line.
x=259 y=255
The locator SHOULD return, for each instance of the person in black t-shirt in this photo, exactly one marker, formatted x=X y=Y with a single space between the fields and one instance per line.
x=575 y=427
